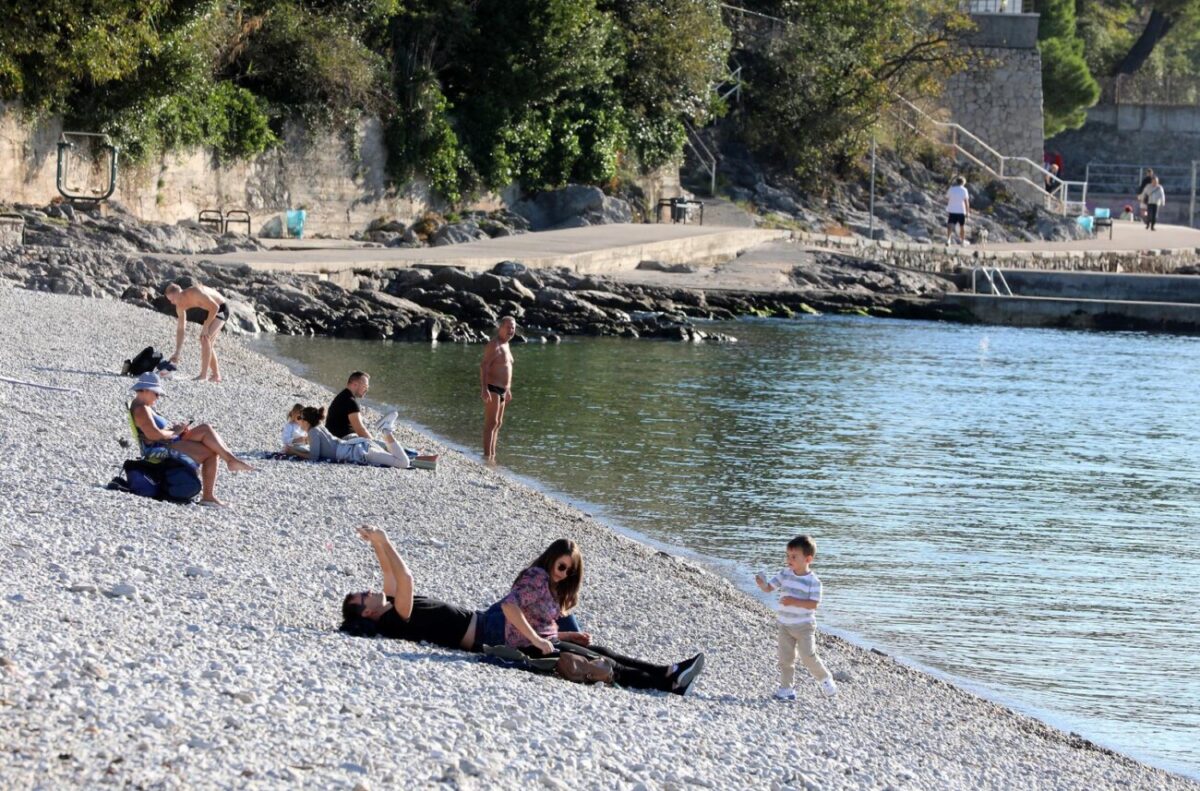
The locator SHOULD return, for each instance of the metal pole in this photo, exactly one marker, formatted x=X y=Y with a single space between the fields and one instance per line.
x=871 y=223
x=1192 y=199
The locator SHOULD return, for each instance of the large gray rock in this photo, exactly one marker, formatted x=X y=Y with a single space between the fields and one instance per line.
x=571 y=207
x=456 y=278
x=509 y=269
x=457 y=233
x=486 y=284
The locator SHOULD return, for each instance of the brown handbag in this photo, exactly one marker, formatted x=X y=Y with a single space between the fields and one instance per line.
x=582 y=670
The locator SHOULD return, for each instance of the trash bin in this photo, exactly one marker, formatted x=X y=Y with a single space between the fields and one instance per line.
x=295 y=222
x=679 y=210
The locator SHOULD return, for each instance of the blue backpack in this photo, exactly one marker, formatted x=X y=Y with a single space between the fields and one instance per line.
x=174 y=478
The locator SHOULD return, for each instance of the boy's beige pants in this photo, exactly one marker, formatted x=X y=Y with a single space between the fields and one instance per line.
x=803 y=638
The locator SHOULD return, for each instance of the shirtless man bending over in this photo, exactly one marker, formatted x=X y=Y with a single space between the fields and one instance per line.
x=495 y=382
x=206 y=299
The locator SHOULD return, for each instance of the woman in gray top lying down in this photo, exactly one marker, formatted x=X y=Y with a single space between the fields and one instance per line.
x=360 y=450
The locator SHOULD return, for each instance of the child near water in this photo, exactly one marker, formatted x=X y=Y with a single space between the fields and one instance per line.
x=293 y=432
x=797 y=617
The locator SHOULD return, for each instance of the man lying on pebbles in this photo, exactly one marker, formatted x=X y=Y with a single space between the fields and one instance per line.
x=398 y=612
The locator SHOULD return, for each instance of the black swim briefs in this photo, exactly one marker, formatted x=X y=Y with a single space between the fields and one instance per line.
x=498 y=390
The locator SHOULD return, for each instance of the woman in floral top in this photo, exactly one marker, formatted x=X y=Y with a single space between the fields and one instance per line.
x=549 y=590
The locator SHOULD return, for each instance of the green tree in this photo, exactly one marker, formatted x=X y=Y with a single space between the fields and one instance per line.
x=530 y=88
x=676 y=52
x=817 y=89
x=424 y=38
x=52 y=48
x=1163 y=16
x=1068 y=87
x=313 y=63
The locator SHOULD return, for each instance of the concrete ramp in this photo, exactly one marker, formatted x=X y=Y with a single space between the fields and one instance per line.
x=597 y=249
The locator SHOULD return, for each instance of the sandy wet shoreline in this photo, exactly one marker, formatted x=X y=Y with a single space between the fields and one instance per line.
x=222 y=667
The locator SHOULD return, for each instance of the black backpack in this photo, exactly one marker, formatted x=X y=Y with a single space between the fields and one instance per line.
x=144 y=362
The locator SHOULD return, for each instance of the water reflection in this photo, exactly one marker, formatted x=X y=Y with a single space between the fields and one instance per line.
x=1015 y=507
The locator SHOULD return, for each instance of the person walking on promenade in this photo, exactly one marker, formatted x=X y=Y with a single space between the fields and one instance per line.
x=798 y=617
x=214 y=304
x=1154 y=197
x=958 y=210
x=495 y=383
x=1147 y=180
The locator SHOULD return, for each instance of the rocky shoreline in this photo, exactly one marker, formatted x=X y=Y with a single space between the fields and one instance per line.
x=153 y=645
x=448 y=304
x=112 y=255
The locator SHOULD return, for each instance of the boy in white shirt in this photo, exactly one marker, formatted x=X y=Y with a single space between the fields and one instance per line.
x=958 y=209
x=797 y=617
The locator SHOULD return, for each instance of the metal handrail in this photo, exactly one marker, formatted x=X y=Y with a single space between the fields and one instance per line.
x=692 y=138
x=747 y=12
x=991 y=273
x=735 y=77
x=963 y=152
x=1062 y=189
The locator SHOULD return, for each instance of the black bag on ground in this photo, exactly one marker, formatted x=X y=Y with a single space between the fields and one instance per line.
x=143 y=362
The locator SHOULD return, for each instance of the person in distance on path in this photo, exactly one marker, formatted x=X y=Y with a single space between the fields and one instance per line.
x=1155 y=198
x=958 y=210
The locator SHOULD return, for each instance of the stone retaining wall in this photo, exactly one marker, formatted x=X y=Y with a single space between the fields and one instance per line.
x=340 y=183
x=947 y=260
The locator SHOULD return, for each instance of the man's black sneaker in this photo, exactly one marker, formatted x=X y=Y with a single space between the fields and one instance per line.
x=686 y=674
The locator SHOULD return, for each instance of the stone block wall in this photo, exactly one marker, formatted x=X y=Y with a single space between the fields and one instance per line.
x=947 y=260
x=1133 y=135
x=341 y=184
x=1000 y=99
x=341 y=187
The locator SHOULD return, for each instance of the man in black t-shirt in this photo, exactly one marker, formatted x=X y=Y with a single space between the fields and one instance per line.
x=398 y=612
x=344 y=418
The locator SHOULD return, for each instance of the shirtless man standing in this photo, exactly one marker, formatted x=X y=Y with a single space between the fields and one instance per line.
x=218 y=313
x=495 y=383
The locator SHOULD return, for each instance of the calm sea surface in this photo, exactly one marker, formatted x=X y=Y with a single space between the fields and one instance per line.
x=1018 y=509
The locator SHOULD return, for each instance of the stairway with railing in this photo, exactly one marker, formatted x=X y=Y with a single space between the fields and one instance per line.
x=1060 y=195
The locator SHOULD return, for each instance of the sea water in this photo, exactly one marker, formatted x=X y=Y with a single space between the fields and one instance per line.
x=1016 y=509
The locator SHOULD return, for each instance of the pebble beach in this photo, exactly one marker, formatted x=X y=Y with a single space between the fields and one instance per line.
x=146 y=644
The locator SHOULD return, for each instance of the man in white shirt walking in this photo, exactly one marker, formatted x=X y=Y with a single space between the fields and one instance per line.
x=958 y=210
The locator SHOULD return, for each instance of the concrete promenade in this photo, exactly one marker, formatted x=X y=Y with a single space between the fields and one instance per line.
x=1127 y=237
x=727 y=258
x=592 y=250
